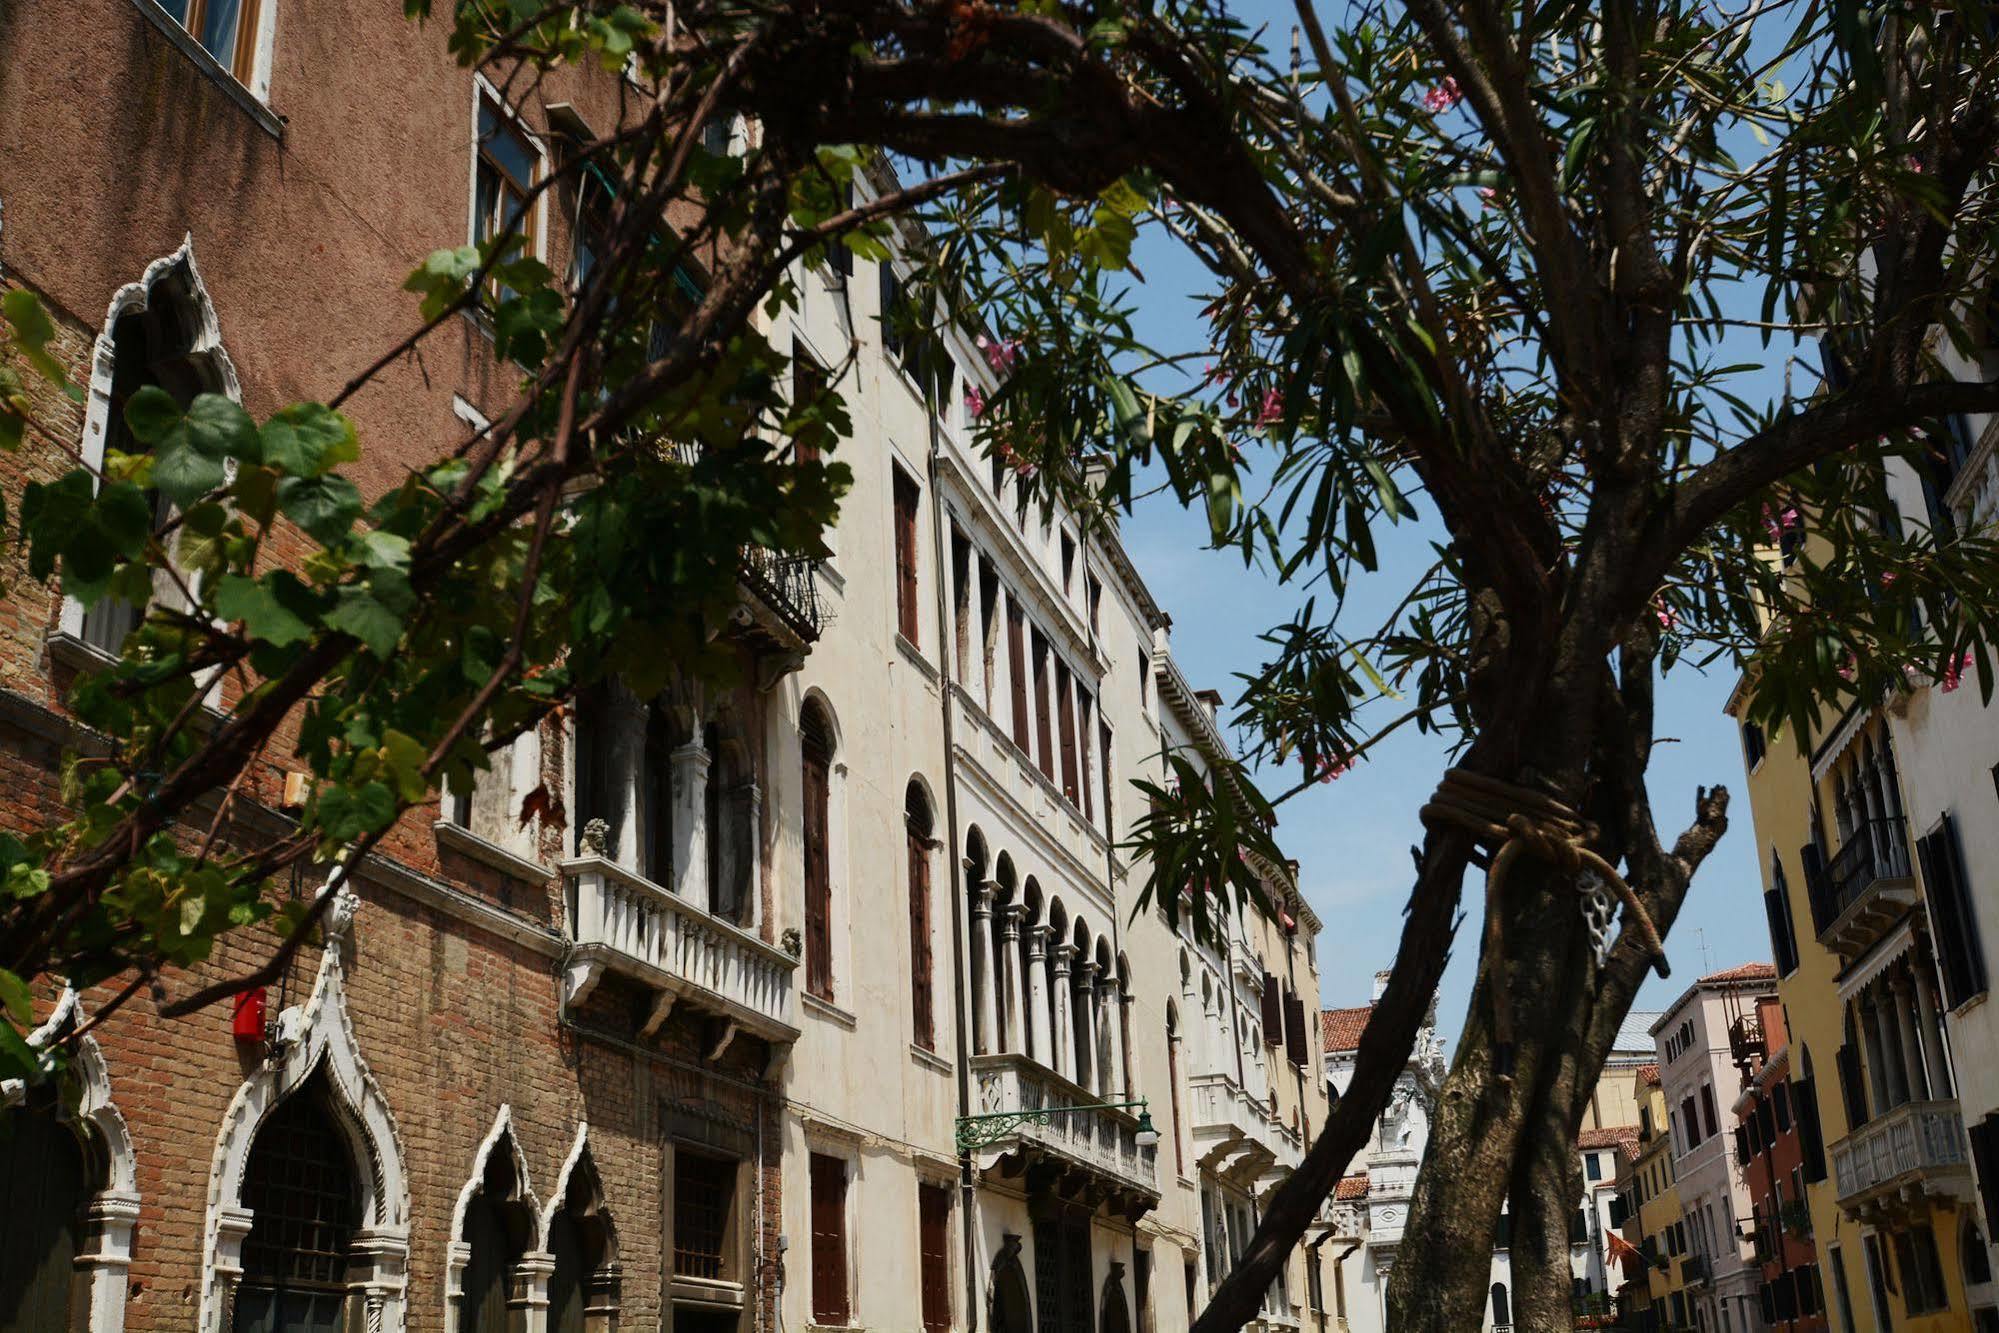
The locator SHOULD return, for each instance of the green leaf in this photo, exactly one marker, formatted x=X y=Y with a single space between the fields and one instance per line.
x=182 y=472
x=276 y=608
x=324 y=506
x=150 y=413
x=15 y=998
x=218 y=427
x=307 y=439
x=32 y=331
x=347 y=813
x=403 y=756
x=362 y=615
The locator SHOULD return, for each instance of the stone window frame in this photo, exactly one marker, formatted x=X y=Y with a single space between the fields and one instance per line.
x=484 y=90
x=321 y=1032
x=536 y=1264
x=710 y=1132
x=605 y=1285
x=68 y=642
x=104 y=1258
x=252 y=94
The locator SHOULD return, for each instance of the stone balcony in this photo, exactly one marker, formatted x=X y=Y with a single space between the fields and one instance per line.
x=624 y=924
x=1092 y=1156
x=1867 y=887
x=1236 y=1137
x=1896 y=1161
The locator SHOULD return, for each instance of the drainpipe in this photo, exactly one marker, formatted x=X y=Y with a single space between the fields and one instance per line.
x=967 y=1190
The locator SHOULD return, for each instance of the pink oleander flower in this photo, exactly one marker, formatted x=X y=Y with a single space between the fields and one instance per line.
x=1272 y=409
x=975 y=402
x=1779 y=523
x=1487 y=196
x=1888 y=578
x=1953 y=675
x=1846 y=670
x=1330 y=770
x=1668 y=619
x=999 y=355
x=1443 y=97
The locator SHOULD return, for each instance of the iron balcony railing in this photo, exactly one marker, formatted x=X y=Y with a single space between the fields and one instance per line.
x=1693 y=1269
x=787 y=584
x=1875 y=851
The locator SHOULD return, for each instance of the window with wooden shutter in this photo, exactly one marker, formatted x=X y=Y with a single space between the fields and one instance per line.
x=1273 y=1011
x=922 y=1008
x=1851 y=1088
x=1016 y=661
x=1065 y=715
x=1818 y=886
x=933 y=1260
x=1295 y=1048
x=1044 y=752
x=905 y=555
x=1984 y=1140
x=818 y=762
x=1953 y=918
x=830 y=1301
x=1811 y=1138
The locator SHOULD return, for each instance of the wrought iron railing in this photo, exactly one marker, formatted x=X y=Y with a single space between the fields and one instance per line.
x=789 y=585
x=1872 y=852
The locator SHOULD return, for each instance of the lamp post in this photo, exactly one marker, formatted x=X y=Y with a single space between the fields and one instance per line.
x=976 y=1131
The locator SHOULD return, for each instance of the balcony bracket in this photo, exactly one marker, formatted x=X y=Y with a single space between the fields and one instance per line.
x=580 y=978
x=662 y=1006
x=728 y=1035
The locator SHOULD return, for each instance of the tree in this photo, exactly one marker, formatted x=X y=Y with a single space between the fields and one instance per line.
x=1485 y=266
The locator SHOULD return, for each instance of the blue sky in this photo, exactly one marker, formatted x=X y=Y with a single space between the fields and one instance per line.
x=1352 y=836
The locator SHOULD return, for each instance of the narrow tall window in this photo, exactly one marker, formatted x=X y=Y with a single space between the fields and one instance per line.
x=299 y=1188
x=988 y=626
x=1085 y=709
x=1016 y=661
x=916 y=815
x=509 y=163
x=1065 y=716
x=830 y=1301
x=809 y=384
x=1044 y=752
x=816 y=746
x=961 y=602
x=704 y=1216
x=905 y=555
x=226 y=29
x=933 y=1259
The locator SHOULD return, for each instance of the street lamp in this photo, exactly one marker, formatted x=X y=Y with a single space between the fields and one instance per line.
x=977 y=1131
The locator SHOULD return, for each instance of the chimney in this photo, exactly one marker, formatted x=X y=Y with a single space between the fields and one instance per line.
x=1380 y=985
x=1213 y=700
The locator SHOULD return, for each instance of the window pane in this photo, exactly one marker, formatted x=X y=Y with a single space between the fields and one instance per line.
x=218 y=30
x=506 y=145
x=177 y=8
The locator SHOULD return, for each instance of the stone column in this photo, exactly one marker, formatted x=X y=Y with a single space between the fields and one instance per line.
x=1127 y=1082
x=1881 y=1065
x=1912 y=1049
x=984 y=1015
x=1106 y=1050
x=690 y=823
x=973 y=674
x=1061 y=1024
x=1930 y=1027
x=1040 y=1041
x=1008 y=964
x=1086 y=1028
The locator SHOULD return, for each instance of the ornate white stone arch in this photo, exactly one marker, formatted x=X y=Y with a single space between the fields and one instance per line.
x=132 y=298
x=318 y=1036
x=602 y=1288
x=535 y=1263
x=112 y=1210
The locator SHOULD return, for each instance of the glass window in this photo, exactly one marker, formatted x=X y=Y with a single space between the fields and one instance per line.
x=508 y=167
x=704 y=1202
x=226 y=29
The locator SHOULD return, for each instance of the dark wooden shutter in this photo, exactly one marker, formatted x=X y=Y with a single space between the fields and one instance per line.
x=830 y=1302
x=1044 y=751
x=919 y=941
x=818 y=876
x=1294 y=1031
x=1984 y=1140
x=1065 y=716
x=1104 y=776
x=1953 y=919
x=1818 y=887
x=1811 y=1138
x=1852 y=1090
x=934 y=1255
x=1783 y=939
x=1273 y=1011
x=1085 y=711
x=1016 y=658
x=905 y=555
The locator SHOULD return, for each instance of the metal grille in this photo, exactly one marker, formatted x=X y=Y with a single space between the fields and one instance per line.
x=703 y=1190
x=299 y=1188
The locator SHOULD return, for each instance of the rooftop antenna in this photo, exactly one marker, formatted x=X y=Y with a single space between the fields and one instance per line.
x=1706 y=965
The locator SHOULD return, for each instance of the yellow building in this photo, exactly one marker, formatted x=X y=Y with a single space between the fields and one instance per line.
x=1886 y=1171
x=1655 y=1298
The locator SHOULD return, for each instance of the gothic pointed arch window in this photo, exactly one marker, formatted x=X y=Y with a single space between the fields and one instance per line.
x=300 y=1189
x=1502 y=1307
x=818 y=743
x=160 y=333
x=497 y=1230
x=1012 y=1305
x=1114 y=1315
x=584 y=1282
x=44 y=1185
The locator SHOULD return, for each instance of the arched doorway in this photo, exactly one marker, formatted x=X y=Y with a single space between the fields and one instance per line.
x=1013 y=1308
x=299 y=1188
x=44 y=1184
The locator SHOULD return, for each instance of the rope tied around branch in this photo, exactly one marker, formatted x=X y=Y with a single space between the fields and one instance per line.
x=1511 y=820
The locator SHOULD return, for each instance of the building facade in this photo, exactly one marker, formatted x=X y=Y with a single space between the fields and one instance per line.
x=1774 y=1157
x=825 y=1006
x=1652 y=1296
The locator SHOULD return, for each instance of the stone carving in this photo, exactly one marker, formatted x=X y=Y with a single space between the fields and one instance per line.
x=595 y=838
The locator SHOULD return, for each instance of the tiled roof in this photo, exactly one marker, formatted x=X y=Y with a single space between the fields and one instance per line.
x=1747 y=972
x=1611 y=1136
x=1650 y=1073
x=1350 y=1187
x=1342 y=1027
